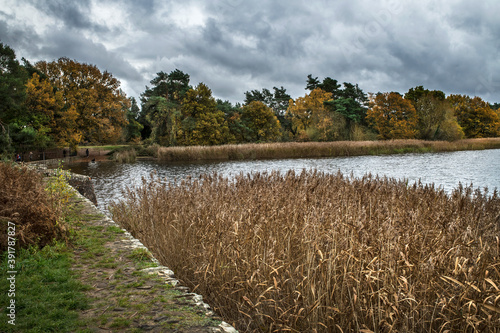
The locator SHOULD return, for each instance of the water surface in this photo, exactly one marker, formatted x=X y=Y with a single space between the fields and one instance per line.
x=481 y=168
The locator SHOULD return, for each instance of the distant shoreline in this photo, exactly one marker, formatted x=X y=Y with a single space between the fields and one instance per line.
x=255 y=151
x=278 y=150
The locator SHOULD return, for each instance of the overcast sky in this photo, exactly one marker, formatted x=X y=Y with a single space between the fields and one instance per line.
x=234 y=45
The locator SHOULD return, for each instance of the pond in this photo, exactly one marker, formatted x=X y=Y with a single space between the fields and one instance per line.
x=481 y=168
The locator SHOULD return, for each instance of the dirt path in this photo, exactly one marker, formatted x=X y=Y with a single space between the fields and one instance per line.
x=129 y=290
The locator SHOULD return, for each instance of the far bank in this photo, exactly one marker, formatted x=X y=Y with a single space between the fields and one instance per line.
x=318 y=149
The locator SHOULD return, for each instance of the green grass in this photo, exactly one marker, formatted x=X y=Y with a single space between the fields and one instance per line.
x=59 y=287
x=49 y=296
x=142 y=258
x=46 y=289
x=120 y=323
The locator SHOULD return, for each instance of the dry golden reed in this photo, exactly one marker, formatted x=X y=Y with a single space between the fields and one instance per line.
x=316 y=252
x=318 y=149
x=125 y=156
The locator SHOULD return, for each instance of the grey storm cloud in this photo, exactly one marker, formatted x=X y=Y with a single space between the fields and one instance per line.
x=87 y=51
x=236 y=45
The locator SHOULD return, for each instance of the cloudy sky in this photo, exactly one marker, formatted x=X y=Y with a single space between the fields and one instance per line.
x=234 y=45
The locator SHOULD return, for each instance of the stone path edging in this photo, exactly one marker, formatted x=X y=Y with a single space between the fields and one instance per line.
x=162 y=271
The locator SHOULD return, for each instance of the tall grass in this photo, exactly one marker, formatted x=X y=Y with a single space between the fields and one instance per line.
x=315 y=252
x=318 y=149
x=125 y=156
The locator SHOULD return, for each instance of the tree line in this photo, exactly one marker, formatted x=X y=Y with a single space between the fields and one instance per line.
x=65 y=103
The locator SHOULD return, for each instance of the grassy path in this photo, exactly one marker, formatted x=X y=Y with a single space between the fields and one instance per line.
x=104 y=281
x=124 y=295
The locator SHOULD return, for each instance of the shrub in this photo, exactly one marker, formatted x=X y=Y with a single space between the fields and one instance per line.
x=25 y=202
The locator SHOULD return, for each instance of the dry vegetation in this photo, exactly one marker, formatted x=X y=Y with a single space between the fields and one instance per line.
x=27 y=202
x=125 y=156
x=318 y=149
x=315 y=252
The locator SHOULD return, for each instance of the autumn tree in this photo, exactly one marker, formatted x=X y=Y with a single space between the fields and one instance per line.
x=430 y=108
x=44 y=105
x=393 y=116
x=202 y=123
x=435 y=117
x=348 y=101
x=310 y=119
x=278 y=101
x=449 y=129
x=262 y=123
x=92 y=94
x=238 y=132
x=50 y=114
x=475 y=116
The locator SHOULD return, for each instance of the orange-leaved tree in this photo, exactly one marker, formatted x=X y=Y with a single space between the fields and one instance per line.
x=93 y=95
x=392 y=116
x=49 y=114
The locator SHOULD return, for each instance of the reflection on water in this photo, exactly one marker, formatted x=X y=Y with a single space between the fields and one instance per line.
x=445 y=170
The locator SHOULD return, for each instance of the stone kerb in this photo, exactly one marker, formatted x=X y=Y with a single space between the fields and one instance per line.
x=85 y=191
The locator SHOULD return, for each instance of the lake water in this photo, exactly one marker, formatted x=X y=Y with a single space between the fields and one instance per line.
x=481 y=168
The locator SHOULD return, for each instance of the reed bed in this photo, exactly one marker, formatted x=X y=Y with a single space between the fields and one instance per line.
x=319 y=149
x=316 y=252
x=125 y=156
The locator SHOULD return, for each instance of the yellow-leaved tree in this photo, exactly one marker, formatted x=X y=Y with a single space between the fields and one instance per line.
x=49 y=114
x=202 y=123
x=475 y=116
x=261 y=122
x=311 y=120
